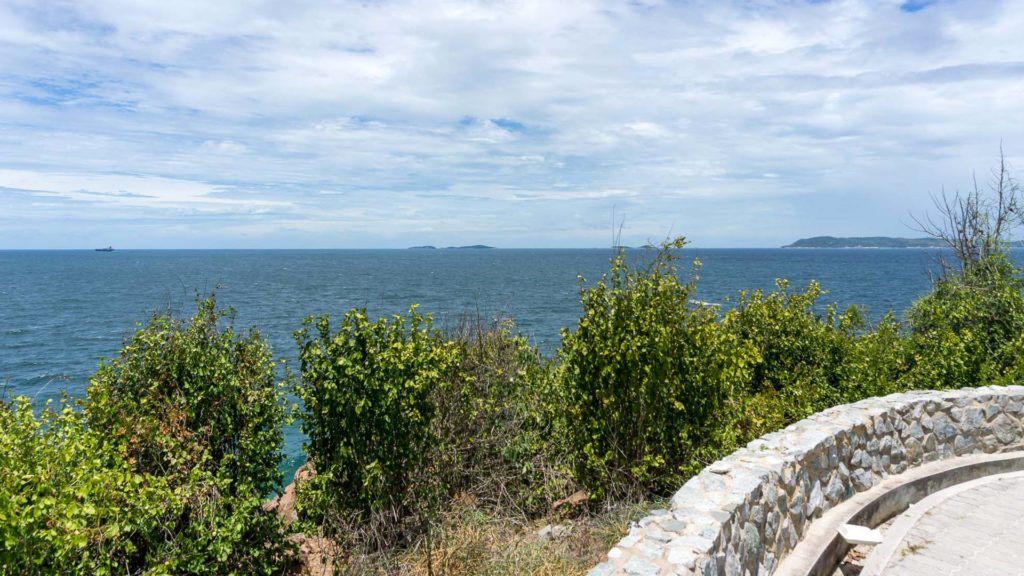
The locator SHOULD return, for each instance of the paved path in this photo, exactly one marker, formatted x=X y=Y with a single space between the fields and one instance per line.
x=977 y=532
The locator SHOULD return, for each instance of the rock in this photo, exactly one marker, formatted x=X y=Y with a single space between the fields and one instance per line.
x=771 y=528
x=789 y=535
x=575 y=500
x=913 y=447
x=944 y=429
x=317 y=555
x=719 y=468
x=961 y=445
x=991 y=412
x=862 y=480
x=796 y=506
x=814 y=502
x=751 y=540
x=835 y=490
x=886 y=445
x=713 y=566
x=682 y=557
x=732 y=563
x=672 y=525
x=638 y=567
x=1005 y=430
x=284 y=504
x=553 y=532
x=913 y=431
x=973 y=419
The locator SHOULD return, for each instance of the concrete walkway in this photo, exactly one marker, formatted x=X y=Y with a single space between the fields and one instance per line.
x=976 y=529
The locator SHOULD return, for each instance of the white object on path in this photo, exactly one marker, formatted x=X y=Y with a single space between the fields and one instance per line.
x=860 y=534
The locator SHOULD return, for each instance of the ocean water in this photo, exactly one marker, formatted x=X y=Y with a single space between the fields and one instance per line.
x=61 y=311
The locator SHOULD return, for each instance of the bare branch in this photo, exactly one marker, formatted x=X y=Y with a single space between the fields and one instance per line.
x=977 y=224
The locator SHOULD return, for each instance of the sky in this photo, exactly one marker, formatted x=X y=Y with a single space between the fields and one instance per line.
x=342 y=124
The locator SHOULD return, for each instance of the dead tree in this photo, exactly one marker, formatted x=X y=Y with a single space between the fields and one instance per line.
x=977 y=224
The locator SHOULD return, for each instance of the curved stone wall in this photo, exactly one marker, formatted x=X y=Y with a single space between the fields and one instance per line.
x=744 y=513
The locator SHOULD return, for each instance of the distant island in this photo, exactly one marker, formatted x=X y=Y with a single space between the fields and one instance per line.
x=866 y=242
x=875 y=242
x=473 y=247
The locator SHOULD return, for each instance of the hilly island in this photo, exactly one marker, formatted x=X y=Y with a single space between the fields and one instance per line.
x=866 y=242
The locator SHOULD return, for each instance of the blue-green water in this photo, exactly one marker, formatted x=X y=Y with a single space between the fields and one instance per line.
x=60 y=311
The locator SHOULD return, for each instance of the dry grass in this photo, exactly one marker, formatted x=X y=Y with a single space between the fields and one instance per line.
x=469 y=541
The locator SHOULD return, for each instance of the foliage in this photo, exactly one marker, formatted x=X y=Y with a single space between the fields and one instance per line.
x=199 y=407
x=646 y=379
x=965 y=332
x=801 y=354
x=876 y=362
x=194 y=397
x=494 y=421
x=69 y=504
x=367 y=392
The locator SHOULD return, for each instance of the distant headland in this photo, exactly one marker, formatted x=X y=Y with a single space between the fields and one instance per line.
x=866 y=242
x=875 y=242
x=473 y=247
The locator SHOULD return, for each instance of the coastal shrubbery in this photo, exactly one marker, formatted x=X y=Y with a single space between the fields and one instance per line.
x=164 y=468
x=401 y=418
x=429 y=447
x=968 y=329
x=200 y=407
x=69 y=502
x=495 y=421
x=165 y=465
x=196 y=398
x=800 y=355
x=368 y=393
x=645 y=380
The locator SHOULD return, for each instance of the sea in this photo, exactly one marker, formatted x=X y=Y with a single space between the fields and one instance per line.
x=61 y=311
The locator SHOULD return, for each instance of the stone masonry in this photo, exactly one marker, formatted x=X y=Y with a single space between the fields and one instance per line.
x=744 y=513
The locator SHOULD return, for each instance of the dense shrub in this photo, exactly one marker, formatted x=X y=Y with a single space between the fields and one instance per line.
x=877 y=361
x=965 y=332
x=494 y=421
x=199 y=407
x=69 y=504
x=368 y=409
x=646 y=380
x=800 y=366
x=194 y=397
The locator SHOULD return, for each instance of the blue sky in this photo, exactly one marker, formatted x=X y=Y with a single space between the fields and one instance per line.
x=238 y=124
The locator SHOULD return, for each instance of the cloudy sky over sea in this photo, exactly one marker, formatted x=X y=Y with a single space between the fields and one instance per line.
x=192 y=123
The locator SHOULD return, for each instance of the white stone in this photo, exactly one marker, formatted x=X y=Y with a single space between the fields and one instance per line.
x=855 y=535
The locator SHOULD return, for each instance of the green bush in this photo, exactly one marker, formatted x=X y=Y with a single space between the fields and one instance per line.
x=877 y=362
x=494 y=421
x=70 y=504
x=199 y=407
x=800 y=366
x=965 y=331
x=646 y=380
x=368 y=393
x=196 y=396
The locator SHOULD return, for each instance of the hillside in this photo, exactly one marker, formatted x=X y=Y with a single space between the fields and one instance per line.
x=865 y=242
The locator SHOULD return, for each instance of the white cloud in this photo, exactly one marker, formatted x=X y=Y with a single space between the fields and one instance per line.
x=523 y=121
